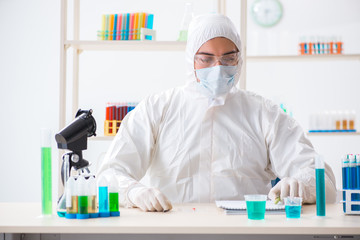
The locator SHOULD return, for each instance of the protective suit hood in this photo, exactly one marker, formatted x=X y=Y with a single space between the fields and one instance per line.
x=204 y=28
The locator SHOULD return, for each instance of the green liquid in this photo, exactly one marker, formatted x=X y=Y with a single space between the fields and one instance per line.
x=83 y=204
x=256 y=209
x=46 y=180
x=183 y=35
x=114 y=202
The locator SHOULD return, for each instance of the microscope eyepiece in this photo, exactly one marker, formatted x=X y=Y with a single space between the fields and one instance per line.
x=74 y=136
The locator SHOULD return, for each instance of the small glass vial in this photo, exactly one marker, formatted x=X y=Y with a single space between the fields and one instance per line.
x=114 y=198
x=103 y=197
x=92 y=205
x=83 y=202
x=71 y=198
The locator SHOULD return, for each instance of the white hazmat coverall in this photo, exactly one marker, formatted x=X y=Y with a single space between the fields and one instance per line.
x=195 y=148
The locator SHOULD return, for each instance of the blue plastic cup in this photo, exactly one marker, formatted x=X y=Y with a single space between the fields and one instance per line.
x=293 y=207
x=255 y=206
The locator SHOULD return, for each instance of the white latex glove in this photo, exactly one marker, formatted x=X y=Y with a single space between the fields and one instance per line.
x=289 y=187
x=148 y=199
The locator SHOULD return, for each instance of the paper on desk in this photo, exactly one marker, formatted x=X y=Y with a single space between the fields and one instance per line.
x=239 y=207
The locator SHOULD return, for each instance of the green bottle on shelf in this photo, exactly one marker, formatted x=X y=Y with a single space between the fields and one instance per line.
x=188 y=15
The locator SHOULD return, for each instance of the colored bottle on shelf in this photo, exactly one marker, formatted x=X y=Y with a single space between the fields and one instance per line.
x=46 y=182
x=188 y=15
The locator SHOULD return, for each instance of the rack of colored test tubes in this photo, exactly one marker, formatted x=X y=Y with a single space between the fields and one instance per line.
x=333 y=121
x=351 y=183
x=320 y=45
x=81 y=198
x=127 y=26
x=115 y=113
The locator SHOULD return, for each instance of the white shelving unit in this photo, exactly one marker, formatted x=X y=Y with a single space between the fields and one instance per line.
x=341 y=57
x=78 y=46
x=334 y=134
x=126 y=45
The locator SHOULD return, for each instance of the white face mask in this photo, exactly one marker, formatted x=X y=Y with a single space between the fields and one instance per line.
x=217 y=80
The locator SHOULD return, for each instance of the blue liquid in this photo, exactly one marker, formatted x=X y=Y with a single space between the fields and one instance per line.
x=345 y=185
x=348 y=182
x=293 y=211
x=358 y=177
x=103 y=200
x=320 y=191
x=256 y=209
x=352 y=177
x=357 y=197
x=344 y=178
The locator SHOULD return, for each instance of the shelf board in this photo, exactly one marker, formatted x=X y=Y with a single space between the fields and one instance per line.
x=305 y=57
x=127 y=45
x=110 y=138
x=333 y=133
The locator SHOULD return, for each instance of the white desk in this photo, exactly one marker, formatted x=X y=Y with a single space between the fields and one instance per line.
x=205 y=222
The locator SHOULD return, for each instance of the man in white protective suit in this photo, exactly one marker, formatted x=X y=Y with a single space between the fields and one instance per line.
x=208 y=140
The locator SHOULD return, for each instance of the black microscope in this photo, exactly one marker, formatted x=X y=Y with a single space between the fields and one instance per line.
x=74 y=138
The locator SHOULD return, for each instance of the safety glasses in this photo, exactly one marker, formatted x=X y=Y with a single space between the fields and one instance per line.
x=204 y=60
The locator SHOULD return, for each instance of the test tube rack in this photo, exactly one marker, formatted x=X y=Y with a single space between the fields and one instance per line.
x=351 y=206
x=115 y=113
x=111 y=127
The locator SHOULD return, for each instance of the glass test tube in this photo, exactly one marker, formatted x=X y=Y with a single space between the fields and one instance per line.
x=71 y=198
x=352 y=176
x=345 y=120
x=338 y=120
x=356 y=181
x=352 y=117
x=46 y=188
x=320 y=186
x=345 y=167
x=103 y=198
x=358 y=171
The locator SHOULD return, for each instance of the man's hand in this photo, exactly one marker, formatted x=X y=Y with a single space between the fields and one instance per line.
x=149 y=199
x=288 y=187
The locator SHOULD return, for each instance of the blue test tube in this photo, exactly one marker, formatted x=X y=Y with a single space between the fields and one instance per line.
x=357 y=181
x=345 y=167
x=104 y=210
x=358 y=171
x=352 y=179
x=352 y=171
x=320 y=186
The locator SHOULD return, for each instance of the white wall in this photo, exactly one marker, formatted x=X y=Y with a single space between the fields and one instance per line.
x=29 y=73
x=316 y=85
x=29 y=79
